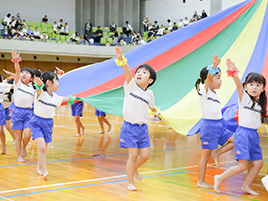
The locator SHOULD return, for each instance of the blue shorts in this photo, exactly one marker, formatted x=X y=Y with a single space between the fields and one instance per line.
x=134 y=136
x=12 y=106
x=246 y=143
x=7 y=112
x=20 y=118
x=213 y=133
x=99 y=113
x=41 y=128
x=2 y=115
x=77 y=109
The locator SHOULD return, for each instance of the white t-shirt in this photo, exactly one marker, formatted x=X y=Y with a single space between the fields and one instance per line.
x=4 y=88
x=249 y=117
x=136 y=102
x=45 y=105
x=210 y=104
x=23 y=95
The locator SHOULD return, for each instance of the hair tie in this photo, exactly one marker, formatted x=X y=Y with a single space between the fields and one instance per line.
x=200 y=78
x=213 y=71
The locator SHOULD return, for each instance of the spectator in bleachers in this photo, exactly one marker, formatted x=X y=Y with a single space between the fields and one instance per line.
x=169 y=26
x=156 y=26
x=7 y=20
x=151 y=32
x=36 y=33
x=98 y=35
x=6 y=35
x=74 y=38
x=195 y=16
x=204 y=14
x=186 y=21
x=30 y=37
x=24 y=22
x=60 y=24
x=18 y=24
x=160 y=31
x=12 y=32
x=44 y=37
x=88 y=28
x=54 y=27
x=18 y=17
x=24 y=30
x=145 y=23
x=91 y=40
x=17 y=36
x=127 y=29
x=45 y=20
x=181 y=23
x=175 y=27
x=64 y=30
x=141 y=41
x=150 y=26
x=115 y=37
x=12 y=23
x=134 y=39
x=82 y=40
x=123 y=42
x=113 y=27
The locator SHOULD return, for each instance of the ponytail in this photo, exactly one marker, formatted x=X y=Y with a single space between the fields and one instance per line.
x=263 y=103
x=201 y=79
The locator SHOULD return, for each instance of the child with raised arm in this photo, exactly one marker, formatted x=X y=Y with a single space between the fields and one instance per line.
x=252 y=106
x=41 y=124
x=102 y=118
x=23 y=100
x=77 y=112
x=4 y=88
x=134 y=131
x=212 y=131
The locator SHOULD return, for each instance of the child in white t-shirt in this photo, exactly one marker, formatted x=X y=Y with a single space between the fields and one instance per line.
x=4 y=88
x=41 y=124
x=212 y=131
x=23 y=100
x=134 y=131
x=252 y=106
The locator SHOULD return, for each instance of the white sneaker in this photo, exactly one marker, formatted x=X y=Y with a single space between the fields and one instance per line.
x=265 y=182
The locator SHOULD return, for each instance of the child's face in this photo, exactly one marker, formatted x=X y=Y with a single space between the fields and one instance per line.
x=254 y=89
x=26 y=77
x=142 y=78
x=216 y=81
x=55 y=85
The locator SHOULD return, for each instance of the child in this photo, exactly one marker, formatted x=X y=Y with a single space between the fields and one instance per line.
x=4 y=88
x=23 y=99
x=212 y=131
x=252 y=106
x=101 y=118
x=45 y=103
x=77 y=112
x=134 y=131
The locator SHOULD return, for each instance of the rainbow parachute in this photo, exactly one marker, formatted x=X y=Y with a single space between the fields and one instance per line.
x=239 y=33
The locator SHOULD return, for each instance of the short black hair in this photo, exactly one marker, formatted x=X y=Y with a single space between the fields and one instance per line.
x=37 y=72
x=151 y=71
x=28 y=70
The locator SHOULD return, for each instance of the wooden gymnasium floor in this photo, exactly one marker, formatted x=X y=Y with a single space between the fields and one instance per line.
x=93 y=167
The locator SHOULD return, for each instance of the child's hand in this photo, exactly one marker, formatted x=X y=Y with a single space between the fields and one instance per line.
x=38 y=81
x=230 y=65
x=118 y=53
x=15 y=55
x=216 y=61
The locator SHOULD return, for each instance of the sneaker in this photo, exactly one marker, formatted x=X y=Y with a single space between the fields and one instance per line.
x=265 y=182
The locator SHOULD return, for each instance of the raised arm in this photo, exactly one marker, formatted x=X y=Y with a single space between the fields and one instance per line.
x=38 y=85
x=15 y=59
x=119 y=56
x=233 y=70
x=215 y=61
